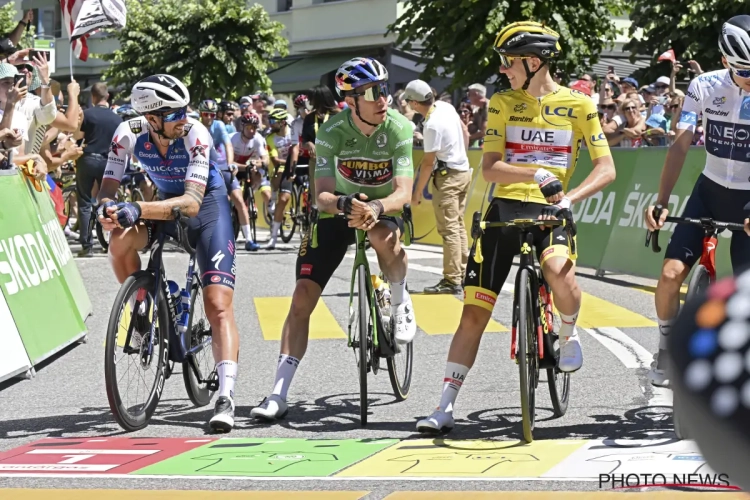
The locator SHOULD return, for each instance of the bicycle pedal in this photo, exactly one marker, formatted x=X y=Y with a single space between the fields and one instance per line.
x=212 y=384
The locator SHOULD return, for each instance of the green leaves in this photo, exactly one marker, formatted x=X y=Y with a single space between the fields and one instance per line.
x=690 y=27
x=466 y=30
x=8 y=23
x=220 y=48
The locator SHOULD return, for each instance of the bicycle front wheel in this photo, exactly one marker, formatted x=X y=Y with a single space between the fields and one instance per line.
x=101 y=235
x=130 y=357
x=235 y=222
x=200 y=364
x=252 y=211
x=289 y=223
x=363 y=339
x=400 y=364
x=526 y=356
x=698 y=283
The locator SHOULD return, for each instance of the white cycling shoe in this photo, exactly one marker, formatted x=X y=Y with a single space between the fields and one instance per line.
x=657 y=375
x=402 y=316
x=440 y=422
x=270 y=409
x=571 y=355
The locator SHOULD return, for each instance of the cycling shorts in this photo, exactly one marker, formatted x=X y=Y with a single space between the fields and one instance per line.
x=334 y=238
x=483 y=282
x=710 y=199
x=230 y=181
x=212 y=236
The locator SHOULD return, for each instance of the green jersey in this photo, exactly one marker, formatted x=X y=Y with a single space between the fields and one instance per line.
x=364 y=164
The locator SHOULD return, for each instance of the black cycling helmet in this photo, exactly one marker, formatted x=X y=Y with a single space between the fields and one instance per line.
x=527 y=38
x=709 y=371
x=228 y=106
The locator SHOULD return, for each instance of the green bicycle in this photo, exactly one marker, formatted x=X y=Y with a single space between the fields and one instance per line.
x=370 y=329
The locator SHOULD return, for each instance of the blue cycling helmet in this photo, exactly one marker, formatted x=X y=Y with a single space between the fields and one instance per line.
x=280 y=103
x=357 y=72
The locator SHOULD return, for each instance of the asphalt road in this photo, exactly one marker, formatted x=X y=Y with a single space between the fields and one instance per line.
x=610 y=398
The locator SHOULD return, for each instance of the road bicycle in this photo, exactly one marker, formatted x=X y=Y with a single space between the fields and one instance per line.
x=303 y=204
x=248 y=195
x=535 y=324
x=370 y=328
x=704 y=273
x=156 y=325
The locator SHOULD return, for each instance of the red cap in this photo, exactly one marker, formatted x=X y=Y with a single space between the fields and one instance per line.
x=581 y=86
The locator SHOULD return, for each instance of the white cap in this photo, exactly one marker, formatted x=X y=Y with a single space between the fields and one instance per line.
x=417 y=90
x=479 y=88
x=664 y=80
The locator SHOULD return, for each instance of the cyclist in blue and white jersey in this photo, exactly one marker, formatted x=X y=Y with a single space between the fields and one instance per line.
x=174 y=151
x=223 y=155
x=723 y=188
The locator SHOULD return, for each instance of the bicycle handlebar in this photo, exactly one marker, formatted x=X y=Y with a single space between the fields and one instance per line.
x=478 y=226
x=405 y=216
x=708 y=224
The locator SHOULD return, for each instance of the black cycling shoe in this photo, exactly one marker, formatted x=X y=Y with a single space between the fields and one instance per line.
x=223 y=419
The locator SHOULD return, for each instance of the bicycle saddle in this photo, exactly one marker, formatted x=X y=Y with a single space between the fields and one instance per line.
x=709 y=350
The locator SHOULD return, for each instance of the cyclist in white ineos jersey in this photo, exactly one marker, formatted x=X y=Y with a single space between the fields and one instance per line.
x=722 y=190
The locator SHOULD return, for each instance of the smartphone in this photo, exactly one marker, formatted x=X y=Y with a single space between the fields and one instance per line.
x=44 y=53
x=21 y=77
x=610 y=69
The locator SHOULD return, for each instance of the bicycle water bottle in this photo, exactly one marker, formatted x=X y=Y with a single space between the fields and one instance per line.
x=174 y=298
x=182 y=322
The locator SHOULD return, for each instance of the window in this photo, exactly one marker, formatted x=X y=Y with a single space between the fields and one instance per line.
x=283 y=5
x=48 y=21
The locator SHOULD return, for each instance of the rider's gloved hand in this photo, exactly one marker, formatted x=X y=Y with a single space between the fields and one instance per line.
x=128 y=213
x=557 y=208
x=344 y=203
x=102 y=210
x=548 y=183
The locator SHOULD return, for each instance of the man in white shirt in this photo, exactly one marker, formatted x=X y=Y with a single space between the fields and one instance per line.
x=444 y=158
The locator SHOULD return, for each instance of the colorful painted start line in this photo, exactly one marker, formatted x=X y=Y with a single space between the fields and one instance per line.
x=358 y=459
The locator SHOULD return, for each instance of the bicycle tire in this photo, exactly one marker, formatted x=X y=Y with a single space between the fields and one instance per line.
x=235 y=222
x=699 y=282
x=525 y=335
x=252 y=211
x=679 y=427
x=140 y=279
x=363 y=300
x=198 y=393
x=137 y=195
x=268 y=217
x=102 y=236
x=560 y=396
x=289 y=219
x=67 y=193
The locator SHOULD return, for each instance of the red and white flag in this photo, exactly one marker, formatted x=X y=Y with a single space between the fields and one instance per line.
x=668 y=56
x=82 y=18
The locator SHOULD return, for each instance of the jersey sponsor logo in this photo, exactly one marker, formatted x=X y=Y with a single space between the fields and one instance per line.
x=493 y=131
x=519 y=108
x=115 y=146
x=484 y=297
x=321 y=142
x=351 y=142
x=689 y=117
x=187 y=127
x=381 y=140
x=547 y=136
x=718 y=101
x=109 y=172
x=366 y=172
x=148 y=155
x=198 y=150
x=147 y=145
x=709 y=79
x=591 y=116
x=305 y=269
x=334 y=125
x=596 y=140
x=396 y=123
x=692 y=96
x=216 y=259
x=730 y=141
x=136 y=126
x=494 y=111
x=349 y=151
x=745 y=109
x=377 y=153
x=114 y=159
x=199 y=177
x=715 y=112
x=578 y=94
x=560 y=111
x=403 y=161
x=404 y=142
x=321 y=161
x=523 y=119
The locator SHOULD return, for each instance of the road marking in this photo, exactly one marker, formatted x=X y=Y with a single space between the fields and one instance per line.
x=38 y=494
x=440 y=314
x=627 y=358
x=272 y=312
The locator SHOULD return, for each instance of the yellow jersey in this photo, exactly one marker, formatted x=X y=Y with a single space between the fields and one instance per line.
x=545 y=132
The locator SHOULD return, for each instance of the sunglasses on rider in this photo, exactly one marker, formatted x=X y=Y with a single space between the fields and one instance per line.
x=374 y=93
x=741 y=73
x=175 y=116
x=208 y=115
x=507 y=61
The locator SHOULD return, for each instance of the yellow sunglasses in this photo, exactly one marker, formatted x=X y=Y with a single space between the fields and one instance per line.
x=507 y=61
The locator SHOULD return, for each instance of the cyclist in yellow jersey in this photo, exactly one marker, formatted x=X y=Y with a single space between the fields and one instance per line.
x=535 y=132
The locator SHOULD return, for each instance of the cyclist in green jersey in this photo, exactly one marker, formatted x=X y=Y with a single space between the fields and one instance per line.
x=364 y=151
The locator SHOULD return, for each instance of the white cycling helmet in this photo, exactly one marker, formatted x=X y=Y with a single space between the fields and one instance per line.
x=159 y=93
x=734 y=41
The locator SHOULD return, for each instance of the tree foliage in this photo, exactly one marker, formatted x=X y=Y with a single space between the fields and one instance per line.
x=9 y=17
x=690 y=27
x=218 y=48
x=458 y=35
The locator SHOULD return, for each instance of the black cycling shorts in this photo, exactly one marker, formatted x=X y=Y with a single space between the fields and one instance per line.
x=710 y=199
x=334 y=238
x=483 y=282
x=212 y=236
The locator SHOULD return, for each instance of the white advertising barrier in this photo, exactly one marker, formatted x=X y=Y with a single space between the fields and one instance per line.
x=13 y=357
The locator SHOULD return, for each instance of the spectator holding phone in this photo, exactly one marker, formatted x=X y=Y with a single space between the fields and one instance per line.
x=11 y=92
x=629 y=133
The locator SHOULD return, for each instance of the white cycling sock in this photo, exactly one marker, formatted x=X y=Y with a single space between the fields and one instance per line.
x=275 y=231
x=246 y=232
x=567 y=325
x=227 y=371
x=664 y=326
x=284 y=374
x=455 y=375
x=398 y=292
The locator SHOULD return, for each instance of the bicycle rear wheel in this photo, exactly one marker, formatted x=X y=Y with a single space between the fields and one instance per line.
x=252 y=210
x=202 y=361
x=526 y=356
x=101 y=235
x=289 y=222
x=362 y=339
x=127 y=333
x=137 y=195
x=235 y=222
x=698 y=283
